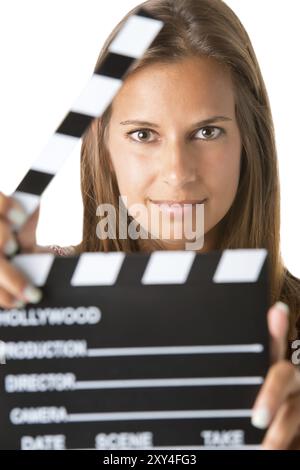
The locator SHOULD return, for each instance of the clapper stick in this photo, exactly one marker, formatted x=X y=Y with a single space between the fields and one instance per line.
x=130 y=43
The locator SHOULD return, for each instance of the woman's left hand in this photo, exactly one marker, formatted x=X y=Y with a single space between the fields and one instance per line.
x=277 y=405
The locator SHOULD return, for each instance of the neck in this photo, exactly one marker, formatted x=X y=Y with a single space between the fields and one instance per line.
x=210 y=243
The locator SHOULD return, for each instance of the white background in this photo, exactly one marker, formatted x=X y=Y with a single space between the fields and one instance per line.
x=48 y=50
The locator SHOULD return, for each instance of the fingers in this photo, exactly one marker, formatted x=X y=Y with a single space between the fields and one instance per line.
x=285 y=427
x=12 y=211
x=8 y=242
x=278 y=323
x=7 y=300
x=15 y=287
x=24 y=225
x=4 y=204
x=282 y=381
x=15 y=290
x=12 y=216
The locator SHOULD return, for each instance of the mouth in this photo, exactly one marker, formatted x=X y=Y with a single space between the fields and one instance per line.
x=172 y=203
x=182 y=206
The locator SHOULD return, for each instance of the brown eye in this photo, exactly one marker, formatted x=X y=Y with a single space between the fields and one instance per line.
x=141 y=135
x=210 y=133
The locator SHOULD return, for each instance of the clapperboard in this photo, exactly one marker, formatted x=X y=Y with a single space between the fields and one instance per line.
x=126 y=351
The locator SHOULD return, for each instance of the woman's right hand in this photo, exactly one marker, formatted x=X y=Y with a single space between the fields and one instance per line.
x=15 y=289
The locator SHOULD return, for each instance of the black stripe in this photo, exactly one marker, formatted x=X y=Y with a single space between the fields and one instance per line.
x=114 y=65
x=142 y=12
x=35 y=182
x=204 y=267
x=74 y=124
x=133 y=268
x=63 y=269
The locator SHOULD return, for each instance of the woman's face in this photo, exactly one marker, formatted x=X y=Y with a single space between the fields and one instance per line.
x=173 y=138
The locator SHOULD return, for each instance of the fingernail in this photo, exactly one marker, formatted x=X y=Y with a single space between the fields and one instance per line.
x=10 y=247
x=283 y=307
x=19 y=304
x=261 y=417
x=32 y=294
x=16 y=216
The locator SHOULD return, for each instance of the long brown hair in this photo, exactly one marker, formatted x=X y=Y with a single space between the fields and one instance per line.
x=205 y=28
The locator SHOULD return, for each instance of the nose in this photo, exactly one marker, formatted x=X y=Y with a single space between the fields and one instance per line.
x=177 y=165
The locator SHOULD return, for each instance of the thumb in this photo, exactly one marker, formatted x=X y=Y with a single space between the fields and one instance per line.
x=278 y=324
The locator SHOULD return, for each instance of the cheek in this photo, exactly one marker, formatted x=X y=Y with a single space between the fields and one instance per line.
x=224 y=171
x=134 y=175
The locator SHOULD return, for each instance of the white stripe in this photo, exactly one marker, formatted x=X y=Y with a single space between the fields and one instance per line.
x=29 y=202
x=55 y=152
x=152 y=415
x=166 y=267
x=97 y=95
x=97 y=269
x=136 y=36
x=160 y=383
x=35 y=266
x=166 y=350
x=242 y=265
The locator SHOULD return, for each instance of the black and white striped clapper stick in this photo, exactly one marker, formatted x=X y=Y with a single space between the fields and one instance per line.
x=133 y=39
x=161 y=350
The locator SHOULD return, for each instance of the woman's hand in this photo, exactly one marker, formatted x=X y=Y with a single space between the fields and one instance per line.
x=15 y=290
x=278 y=403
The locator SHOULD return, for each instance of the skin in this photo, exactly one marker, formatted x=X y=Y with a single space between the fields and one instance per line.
x=177 y=166
x=177 y=159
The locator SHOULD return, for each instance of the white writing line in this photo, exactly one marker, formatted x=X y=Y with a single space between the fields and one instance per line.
x=153 y=415
x=163 y=350
x=177 y=382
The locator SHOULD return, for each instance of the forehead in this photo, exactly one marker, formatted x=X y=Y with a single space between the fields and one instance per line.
x=194 y=82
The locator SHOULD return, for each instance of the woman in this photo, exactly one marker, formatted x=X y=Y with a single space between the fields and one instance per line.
x=199 y=98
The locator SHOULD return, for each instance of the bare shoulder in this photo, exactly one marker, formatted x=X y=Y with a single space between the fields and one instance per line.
x=57 y=250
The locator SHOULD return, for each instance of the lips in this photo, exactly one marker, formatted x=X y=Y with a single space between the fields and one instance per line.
x=172 y=203
x=177 y=207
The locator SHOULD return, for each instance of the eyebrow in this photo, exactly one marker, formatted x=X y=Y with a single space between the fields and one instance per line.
x=205 y=122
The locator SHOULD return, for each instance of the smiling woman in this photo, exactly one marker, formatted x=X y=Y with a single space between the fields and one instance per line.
x=191 y=126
